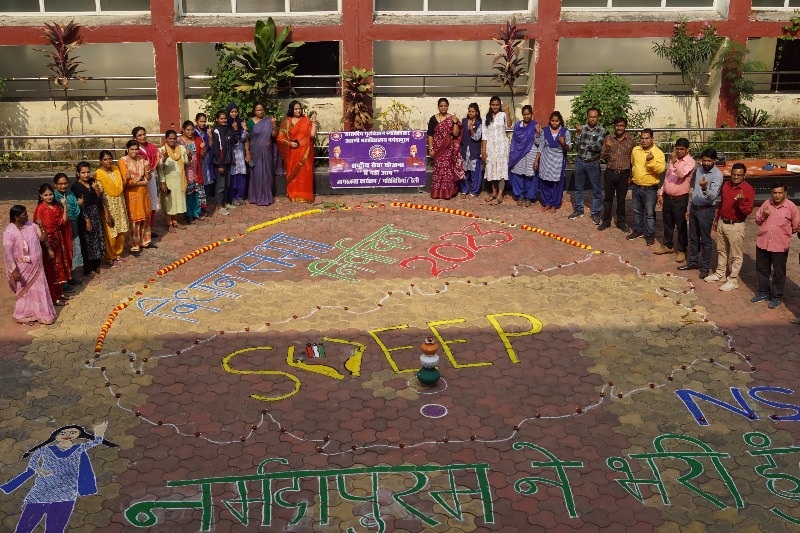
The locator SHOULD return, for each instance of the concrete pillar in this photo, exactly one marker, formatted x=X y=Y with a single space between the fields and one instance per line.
x=165 y=50
x=545 y=66
x=736 y=30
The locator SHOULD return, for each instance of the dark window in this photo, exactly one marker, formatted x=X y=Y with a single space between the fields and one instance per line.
x=787 y=60
x=318 y=59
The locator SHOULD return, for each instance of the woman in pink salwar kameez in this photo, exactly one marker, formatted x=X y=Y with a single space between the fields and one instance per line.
x=23 y=242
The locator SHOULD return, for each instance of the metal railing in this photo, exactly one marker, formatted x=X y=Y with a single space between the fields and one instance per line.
x=304 y=84
x=767 y=81
x=736 y=143
x=39 y=88
x=132 y=87
x=640 y=82
x=423 y=84
x=784 y=81
x=40 y=153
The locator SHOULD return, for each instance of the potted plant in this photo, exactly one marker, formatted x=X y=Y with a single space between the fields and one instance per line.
x=358 y=98
x=508 y=62
x=395 y=117
x=63 y=65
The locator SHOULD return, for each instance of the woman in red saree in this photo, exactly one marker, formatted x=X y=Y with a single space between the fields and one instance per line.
x=52 y=219
x=444 y=139
x=296 y=144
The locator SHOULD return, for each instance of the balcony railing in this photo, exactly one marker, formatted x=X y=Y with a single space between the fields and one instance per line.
x=133 y=87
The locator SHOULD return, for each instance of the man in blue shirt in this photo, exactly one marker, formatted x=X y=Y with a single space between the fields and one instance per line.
x=707 y=182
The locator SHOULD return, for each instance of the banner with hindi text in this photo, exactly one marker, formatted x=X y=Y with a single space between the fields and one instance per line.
x=377 y=159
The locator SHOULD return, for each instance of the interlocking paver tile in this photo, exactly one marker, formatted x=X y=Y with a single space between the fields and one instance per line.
x=510 y=394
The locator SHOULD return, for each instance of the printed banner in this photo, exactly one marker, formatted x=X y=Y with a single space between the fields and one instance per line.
x=377 y=159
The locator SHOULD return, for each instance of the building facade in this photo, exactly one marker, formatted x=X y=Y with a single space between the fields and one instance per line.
x=361 y=26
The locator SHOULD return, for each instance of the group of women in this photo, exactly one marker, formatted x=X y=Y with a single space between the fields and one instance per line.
x=467 y=151
x=87 y=223
x=235 y=143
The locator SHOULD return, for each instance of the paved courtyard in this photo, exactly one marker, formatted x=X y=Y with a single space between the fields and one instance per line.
x=258 y=372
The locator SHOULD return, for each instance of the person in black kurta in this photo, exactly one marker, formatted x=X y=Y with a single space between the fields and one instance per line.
x=90 y=226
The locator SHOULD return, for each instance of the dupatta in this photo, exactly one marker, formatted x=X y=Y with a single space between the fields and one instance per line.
x=111 y=181
x=521 y=142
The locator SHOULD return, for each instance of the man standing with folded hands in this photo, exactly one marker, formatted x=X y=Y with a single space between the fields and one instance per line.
x=647 y=164
x=673 y=198
x=777 y=220
x=707 y=182
x=736 y=203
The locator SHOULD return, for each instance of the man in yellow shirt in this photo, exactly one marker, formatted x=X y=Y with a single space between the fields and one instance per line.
x=647 y=165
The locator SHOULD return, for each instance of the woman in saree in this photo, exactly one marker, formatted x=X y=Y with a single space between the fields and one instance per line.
x=444 y=139
x=260 y=155
x=65 y=197
x=172 y=161
x=135 y=170
x=296 y=144
x=90 y=227
x=115 y=222
x=52 y=218
x=23 y=242
x=194 y=171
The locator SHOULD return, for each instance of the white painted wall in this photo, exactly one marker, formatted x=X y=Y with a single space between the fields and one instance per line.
x=89 y=117
x=119 y=116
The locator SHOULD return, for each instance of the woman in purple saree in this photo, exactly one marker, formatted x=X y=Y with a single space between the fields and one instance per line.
x=260 y=155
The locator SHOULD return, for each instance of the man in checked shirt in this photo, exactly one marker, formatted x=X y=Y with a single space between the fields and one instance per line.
x=616 y=152
x=589 y=144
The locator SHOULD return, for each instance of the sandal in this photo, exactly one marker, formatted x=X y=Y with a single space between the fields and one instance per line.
x=59 y=303
x=490 y=199
x=172 y=229
x=29 y=323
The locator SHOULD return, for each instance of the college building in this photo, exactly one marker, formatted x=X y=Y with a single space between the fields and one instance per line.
x=419 y=49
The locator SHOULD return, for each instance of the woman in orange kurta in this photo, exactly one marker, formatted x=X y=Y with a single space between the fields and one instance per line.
x=135 y=171
x=296 y=144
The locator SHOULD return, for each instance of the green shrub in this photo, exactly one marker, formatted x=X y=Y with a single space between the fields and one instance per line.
x=611 y=94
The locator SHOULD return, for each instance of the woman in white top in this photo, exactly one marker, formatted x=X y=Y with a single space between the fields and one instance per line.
x=494 y=148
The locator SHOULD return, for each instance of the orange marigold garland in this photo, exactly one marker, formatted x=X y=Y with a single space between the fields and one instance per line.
x=190 y=256
x=471 y=215
x=435 y=208
x=565 y=240
x=182 y=261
